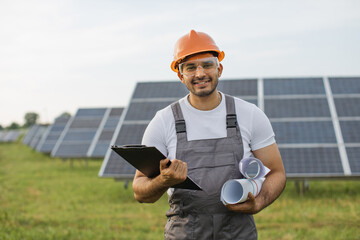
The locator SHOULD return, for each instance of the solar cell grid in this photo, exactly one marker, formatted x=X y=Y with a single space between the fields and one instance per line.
x=246 y=87
x=144 y=110
x=350 y=131
x=345 y=85
x=53 y=137
x=293 y=86
x=100 y=150
x=130 y=134
x=315 y=161
x=10 y=135
x=37 y=136
x=304 y=132
x=87 y=112
x=94 y=122
x=30 y=134
x=116 y=112
x=102 y=139
x=47 y=147
x=295 y=108
x=79 y=133
x=347 y=107
x=50 y=137
x=112 y=122
x=73 y=150
x=173 y=89
x=353 y=155
x=2 y=135
x=106 y=135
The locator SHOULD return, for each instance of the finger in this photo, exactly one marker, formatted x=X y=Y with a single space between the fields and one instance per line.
x=251 y=197
x=163 y=163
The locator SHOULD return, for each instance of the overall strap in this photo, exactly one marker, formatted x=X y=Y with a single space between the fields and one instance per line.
x=231 y=118
x=180 y=126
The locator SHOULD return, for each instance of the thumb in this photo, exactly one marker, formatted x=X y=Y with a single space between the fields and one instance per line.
x=164 y=164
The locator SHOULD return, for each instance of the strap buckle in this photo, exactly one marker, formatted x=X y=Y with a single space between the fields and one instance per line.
x=180 y=126
x=231 y=121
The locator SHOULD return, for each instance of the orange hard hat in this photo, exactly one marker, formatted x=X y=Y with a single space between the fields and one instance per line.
x=194 y=42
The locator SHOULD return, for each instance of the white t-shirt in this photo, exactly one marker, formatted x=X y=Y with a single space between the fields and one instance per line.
x=254 y=126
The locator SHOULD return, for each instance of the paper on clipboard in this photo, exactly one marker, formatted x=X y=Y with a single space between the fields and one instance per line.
x=146 y=160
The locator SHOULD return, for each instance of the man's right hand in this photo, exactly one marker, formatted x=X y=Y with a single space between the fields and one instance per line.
x=173 y=174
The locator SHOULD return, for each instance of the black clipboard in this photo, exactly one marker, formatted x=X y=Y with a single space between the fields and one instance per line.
x=147 y=160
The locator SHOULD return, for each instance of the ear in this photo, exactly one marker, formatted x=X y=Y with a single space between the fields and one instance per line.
x=181 y=77
x=220 y=70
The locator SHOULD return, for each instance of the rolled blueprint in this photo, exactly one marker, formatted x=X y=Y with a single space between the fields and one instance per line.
x=237 y=190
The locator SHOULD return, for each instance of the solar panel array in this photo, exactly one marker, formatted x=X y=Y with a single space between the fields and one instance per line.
x=52 y=134
x=316 y=121
x=87 y=133
x=9 y=135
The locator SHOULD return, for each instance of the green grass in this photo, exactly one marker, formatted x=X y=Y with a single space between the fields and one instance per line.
x=47 y=198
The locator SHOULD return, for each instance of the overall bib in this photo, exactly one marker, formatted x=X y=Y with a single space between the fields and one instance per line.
x=211 y=162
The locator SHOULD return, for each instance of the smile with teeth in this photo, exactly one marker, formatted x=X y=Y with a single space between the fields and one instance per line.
x=200 y=83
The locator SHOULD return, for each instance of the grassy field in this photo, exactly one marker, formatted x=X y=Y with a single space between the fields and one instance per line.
x=47 y=198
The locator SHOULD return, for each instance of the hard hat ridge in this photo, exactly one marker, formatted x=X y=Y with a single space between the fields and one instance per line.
x=192 y=43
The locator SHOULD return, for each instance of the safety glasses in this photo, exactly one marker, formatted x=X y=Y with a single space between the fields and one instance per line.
x=208 y=65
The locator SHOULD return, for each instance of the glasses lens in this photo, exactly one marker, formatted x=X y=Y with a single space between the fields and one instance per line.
x=207 y=64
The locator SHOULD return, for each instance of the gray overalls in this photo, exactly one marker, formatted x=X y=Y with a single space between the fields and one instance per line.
x=211 y=162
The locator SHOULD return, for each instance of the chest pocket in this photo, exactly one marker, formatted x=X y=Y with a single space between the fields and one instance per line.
x=211 y=169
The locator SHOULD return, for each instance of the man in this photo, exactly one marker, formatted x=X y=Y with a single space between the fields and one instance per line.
x=206 y=134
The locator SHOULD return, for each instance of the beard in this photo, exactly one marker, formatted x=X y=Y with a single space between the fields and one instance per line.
x=205 y=91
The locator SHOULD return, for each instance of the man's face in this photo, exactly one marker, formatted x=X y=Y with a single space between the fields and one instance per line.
x=200 y=74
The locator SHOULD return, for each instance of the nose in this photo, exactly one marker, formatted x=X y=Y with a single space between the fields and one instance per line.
x=199 y=72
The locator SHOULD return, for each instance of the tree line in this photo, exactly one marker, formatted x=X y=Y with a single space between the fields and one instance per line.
x=30 y=118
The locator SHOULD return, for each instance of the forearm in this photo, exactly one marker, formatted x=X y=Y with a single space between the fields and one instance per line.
x=271 y=189
x=148 y=190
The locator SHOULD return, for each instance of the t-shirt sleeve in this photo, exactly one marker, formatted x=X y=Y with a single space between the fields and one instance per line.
x=261 y=130
x=154 y=134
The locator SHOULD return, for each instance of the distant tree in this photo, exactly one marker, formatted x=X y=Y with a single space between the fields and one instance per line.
x=1 y=127
x=30 y=118
x=65 y=114
x=13 y=125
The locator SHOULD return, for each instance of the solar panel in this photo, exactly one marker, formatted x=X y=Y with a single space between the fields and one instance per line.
x=52 y=134
x=80 y=137
x=30 y=134
x=2 y=135
x=9 y=135
x=37 y=136
x=316 y=121
x=102 y=140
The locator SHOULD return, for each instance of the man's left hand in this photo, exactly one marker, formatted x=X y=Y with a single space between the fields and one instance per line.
x=248 y=207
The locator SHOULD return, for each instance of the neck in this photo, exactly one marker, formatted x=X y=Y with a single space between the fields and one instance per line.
x=205 y=103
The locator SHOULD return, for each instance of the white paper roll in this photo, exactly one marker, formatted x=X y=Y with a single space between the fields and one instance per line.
x=237 y=190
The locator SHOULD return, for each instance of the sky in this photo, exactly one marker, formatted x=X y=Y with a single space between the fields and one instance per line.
x=60 y=55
